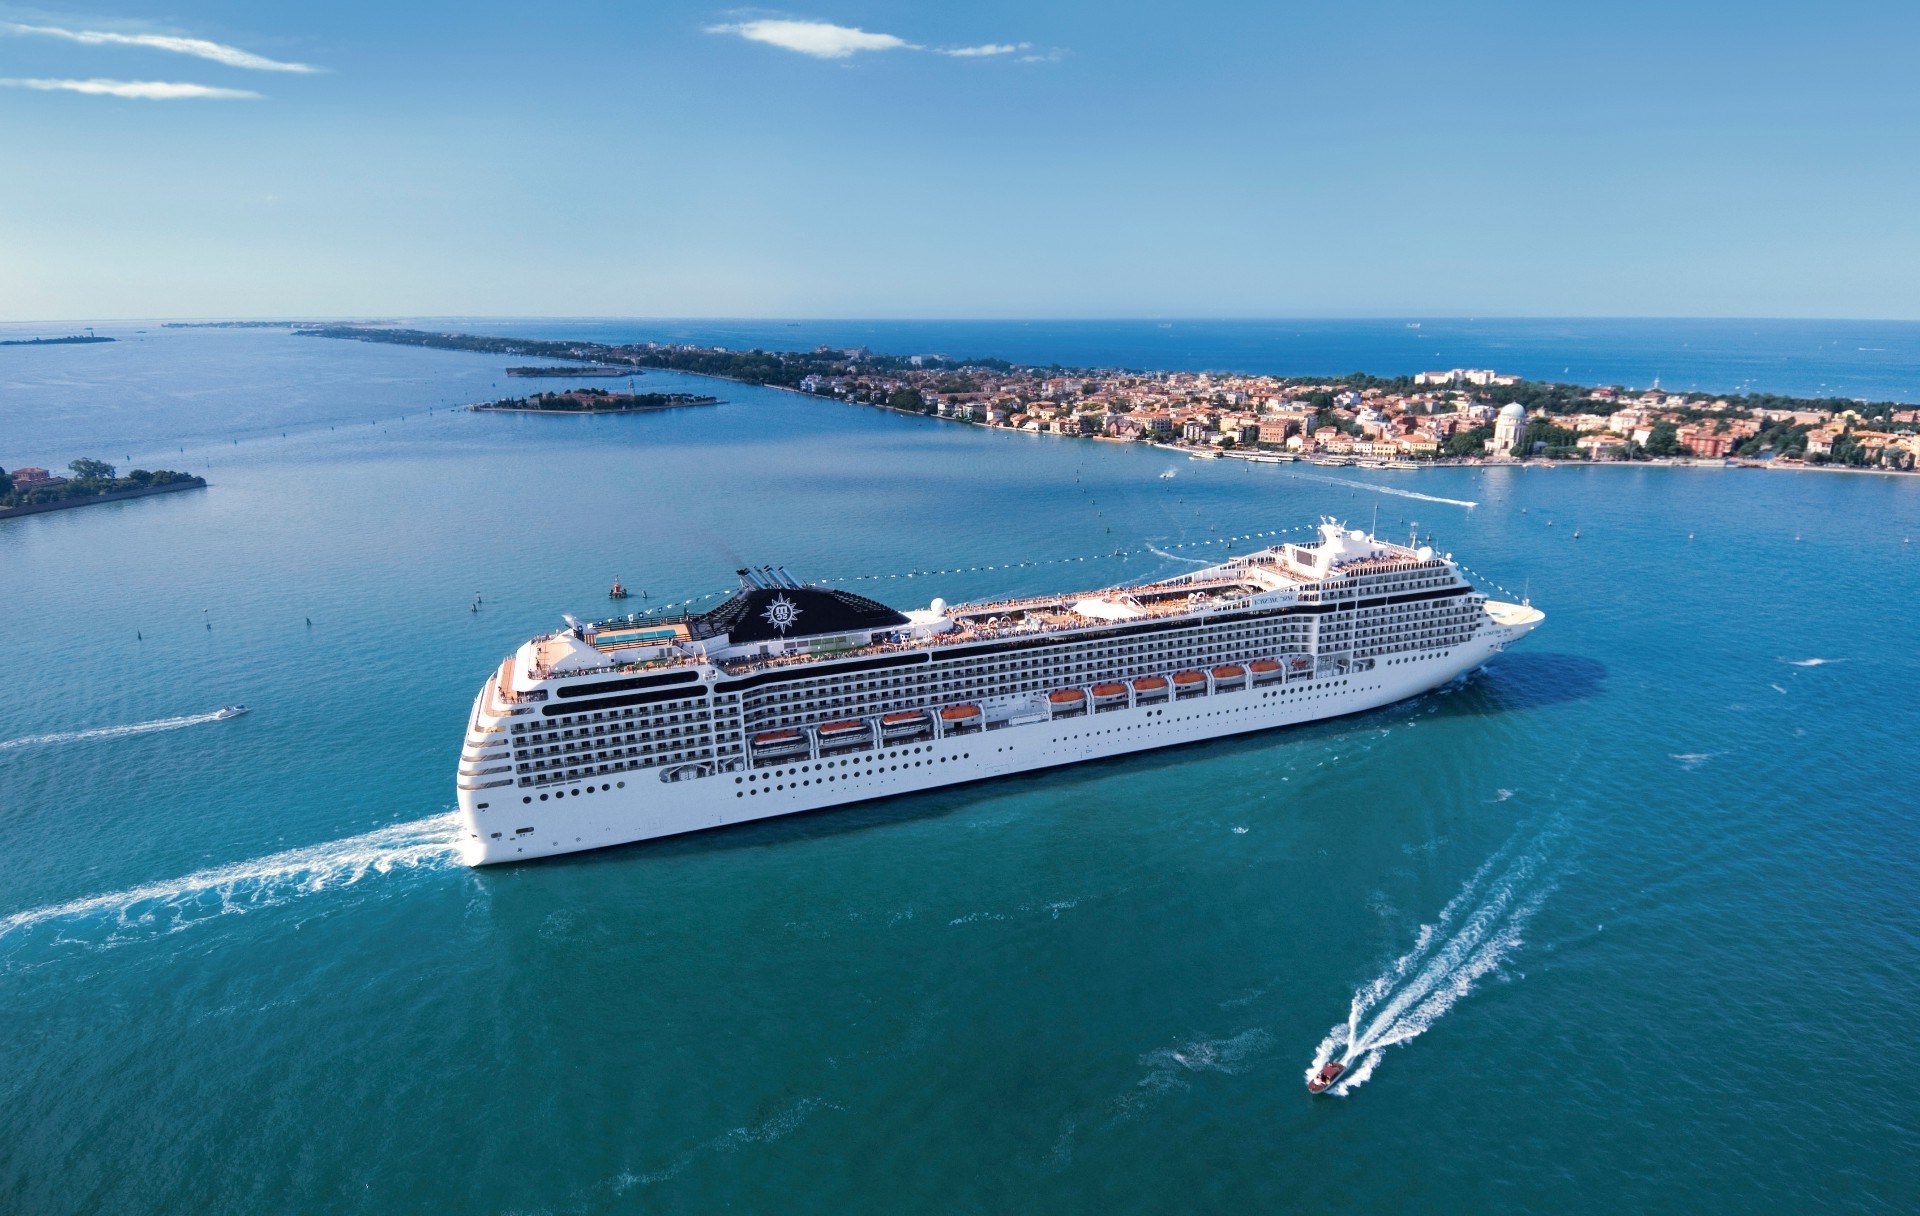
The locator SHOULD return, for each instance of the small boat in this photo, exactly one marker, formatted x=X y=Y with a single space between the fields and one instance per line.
x=229 y=711
x=1150 y=689
x=904 y=722
x=1326 y=1076
x=618 y=592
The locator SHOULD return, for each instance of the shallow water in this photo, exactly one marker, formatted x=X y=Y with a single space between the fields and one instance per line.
x=243 y=972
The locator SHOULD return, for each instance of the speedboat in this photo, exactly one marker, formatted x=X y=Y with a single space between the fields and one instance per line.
x=230 y=711
x=1326 y=1076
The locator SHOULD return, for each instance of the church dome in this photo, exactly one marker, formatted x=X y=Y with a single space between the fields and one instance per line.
x=1513 y=409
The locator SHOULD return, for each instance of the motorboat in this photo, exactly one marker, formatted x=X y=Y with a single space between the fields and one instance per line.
x=229 y=711
x=1326 y=1076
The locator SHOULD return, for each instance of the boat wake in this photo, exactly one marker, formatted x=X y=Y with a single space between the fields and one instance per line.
x=160 y=908
x=110 y=732
x=1811 y=662
x=1472 y=936
x=1175 y=557
x=1394 y=490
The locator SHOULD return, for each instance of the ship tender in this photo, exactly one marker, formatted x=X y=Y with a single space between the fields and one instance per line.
x=792 y=697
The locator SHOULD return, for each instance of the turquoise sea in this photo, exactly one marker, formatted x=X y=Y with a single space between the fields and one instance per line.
x=1634 y=907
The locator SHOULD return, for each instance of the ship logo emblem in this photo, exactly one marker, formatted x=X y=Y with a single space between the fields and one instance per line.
x=782 y=613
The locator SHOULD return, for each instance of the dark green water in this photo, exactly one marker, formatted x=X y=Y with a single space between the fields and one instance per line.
x=1669 y=868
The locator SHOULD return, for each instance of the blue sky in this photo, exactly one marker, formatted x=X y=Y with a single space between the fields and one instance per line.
x=988 y=159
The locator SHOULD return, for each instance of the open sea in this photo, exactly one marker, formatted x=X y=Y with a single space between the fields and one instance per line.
x=1632 y=915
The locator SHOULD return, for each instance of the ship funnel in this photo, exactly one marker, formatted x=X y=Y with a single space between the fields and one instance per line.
x=787 y=578
x=749 y=579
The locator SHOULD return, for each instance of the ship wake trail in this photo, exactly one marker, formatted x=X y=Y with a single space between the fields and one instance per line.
x=1477 y=930
x=109 y=732
x=153 y=910
x=1398 y=493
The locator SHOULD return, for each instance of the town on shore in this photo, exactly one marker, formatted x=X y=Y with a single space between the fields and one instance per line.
x=1460 y=415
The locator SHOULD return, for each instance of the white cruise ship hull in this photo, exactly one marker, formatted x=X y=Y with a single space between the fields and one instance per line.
x=634 y=806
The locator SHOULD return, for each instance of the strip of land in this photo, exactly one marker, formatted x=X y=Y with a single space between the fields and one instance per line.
x=594 y=401
x=69 y=340
x=31 y=491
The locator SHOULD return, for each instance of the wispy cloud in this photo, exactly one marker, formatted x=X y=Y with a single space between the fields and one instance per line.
x=821 y=39
x=146 y=90
x=231 y=56
x=991 y=48
x=825 y=40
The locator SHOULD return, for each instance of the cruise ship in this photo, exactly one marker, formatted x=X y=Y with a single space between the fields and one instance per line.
x=793 y=697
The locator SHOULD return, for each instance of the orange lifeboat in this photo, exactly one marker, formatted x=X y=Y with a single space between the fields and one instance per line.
x=849 y=727
x=905 y=717
x=960 y=719
x=776 y=738
x=1149 y=684
x=1189 y=684
x=1265 y=670
x=1229 y=676
x=1066 y=696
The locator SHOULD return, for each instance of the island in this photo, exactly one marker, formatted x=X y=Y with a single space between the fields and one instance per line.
x=69 y=340
x=594 y=401
x=1456 y=416
x=567 y=370
x=30 y=491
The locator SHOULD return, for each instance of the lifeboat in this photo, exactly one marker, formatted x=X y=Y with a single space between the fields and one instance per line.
x=774 y=743
x=841 y=734
x=1109 y=696
x=904 y=724
x=1265 y=671
x=1065 y=702
x=1189 y=684
x=1150 y=688
x=957 y=719
x=1229 y=677
x=1326 y=1076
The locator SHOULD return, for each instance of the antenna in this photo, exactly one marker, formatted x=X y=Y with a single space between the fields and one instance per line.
x=1375 y=525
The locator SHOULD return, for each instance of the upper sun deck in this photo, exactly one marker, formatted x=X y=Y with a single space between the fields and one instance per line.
x=1267 y=578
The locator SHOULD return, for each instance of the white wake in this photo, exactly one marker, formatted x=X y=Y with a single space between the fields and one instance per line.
x=1394 y=490
x=110 y=732
x=158 y=908
x=1472 y=936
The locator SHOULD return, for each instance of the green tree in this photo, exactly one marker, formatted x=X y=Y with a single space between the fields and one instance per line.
x=1664 y=442
x=91 y=470
x=908 y=399
x=1468 y=443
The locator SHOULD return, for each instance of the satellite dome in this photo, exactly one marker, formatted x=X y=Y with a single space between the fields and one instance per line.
x=1513 y=409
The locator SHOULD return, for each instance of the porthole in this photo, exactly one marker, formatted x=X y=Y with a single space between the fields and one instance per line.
x=543 y=797
x=528 y=798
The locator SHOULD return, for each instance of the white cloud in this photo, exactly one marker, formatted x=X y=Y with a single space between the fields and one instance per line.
x=148 y=90
x=821 y=39
x=991 y=48
x=232 y=56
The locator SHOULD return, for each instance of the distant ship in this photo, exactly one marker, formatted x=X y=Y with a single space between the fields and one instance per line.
x=792 y=696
